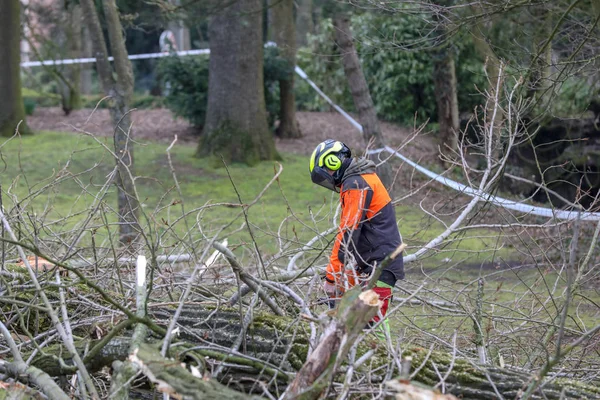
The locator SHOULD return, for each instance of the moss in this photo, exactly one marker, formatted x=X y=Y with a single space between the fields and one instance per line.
x=235 y=144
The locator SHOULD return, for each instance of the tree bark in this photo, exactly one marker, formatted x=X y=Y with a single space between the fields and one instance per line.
x=73 y=36
x=282 y=12
x=304 y=22
x=11 y=101
x=121 y=91
x=354 y=312
x=175 y=380
x=367 y=115
x=494 y=120
x=236 y=119
x=272 y=344
x=85 y=83
x=444 y=78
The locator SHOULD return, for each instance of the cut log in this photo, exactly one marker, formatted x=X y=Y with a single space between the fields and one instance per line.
x=278 y=346
x=172 y=378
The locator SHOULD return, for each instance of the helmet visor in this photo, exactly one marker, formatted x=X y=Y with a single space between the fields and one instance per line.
x=322 y=178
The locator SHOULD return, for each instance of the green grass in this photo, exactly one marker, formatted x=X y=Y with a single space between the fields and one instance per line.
x=58 y=174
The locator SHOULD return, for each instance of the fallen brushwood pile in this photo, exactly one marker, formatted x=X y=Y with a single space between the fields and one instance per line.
x=274 y=351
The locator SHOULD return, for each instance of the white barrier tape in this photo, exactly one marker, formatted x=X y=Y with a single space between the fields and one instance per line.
x=498 y=201
x=93 y=60
x=303 y=75
x=508 y=204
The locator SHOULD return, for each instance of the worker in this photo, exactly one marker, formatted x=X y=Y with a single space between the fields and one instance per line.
x=368 y=231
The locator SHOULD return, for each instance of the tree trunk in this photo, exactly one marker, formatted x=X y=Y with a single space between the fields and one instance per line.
x=361 y=95
x=85 y=84
x=444 y=78
x=271 y=344
x=494 y=120
x=11 y=101
x=236 y=119
x=73 y=36
x=121 y=91
x=538 y=83
x=282 y=12
x=304 y=21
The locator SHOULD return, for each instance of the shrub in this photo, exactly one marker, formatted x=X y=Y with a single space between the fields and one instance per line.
x=33 y=98
x=400 y=79
x=185 y=81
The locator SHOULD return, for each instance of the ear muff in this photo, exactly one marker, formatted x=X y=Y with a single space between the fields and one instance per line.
x=332 y=162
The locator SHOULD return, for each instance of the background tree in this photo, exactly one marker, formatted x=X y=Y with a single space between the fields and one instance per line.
x=118 y=84
x=11 y=101
x=367 y=115
x=73 y=33
x=236 y=120
x=304 y=21
x=444 y=78
x=284 y=29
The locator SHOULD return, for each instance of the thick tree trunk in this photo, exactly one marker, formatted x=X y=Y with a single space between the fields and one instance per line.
x=75 y=50
x=444 y=78
x=538 y=79
x=11 y=101
x=304 y=21
x=127 y=201
x=175 y=380
x=282 y=12
x=275 y=350
x=367 y=115
x=121 y=91
x=236 y=119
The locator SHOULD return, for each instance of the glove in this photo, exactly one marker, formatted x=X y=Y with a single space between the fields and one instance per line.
x=330 y=289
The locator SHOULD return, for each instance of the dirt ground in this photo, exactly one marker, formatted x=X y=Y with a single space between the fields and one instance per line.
x=162 y=125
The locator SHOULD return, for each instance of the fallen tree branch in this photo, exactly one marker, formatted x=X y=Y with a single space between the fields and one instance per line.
x=173 y=379
x=355 y=310
x=248 y=279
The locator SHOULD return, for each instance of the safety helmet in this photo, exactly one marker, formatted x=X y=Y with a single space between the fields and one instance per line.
x=328 y=163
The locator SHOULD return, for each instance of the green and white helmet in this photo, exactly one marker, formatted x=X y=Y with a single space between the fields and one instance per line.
x=327 y=164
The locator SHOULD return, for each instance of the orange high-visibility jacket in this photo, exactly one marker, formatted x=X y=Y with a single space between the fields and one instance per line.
x=368 y=230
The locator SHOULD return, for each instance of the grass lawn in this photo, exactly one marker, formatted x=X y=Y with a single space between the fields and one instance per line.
x=60 y=176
